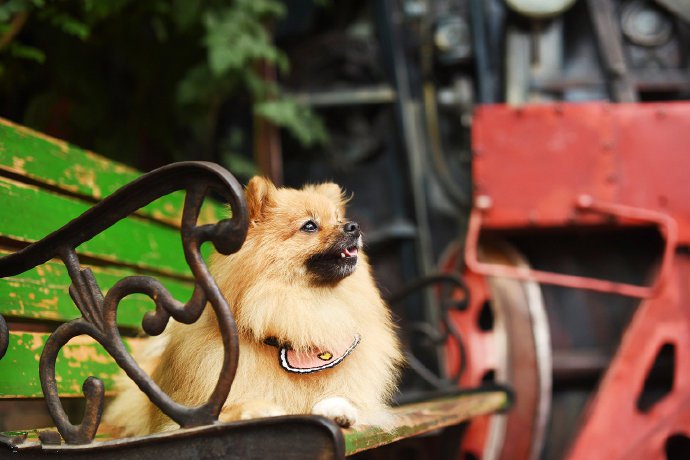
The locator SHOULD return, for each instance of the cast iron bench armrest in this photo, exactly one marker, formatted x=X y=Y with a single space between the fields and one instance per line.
x=99 y=312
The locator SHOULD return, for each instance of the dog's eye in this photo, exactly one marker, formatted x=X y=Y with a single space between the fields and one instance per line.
x=310 y=226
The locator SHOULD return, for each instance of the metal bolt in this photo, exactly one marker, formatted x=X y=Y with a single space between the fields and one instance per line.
x=585 y=201
x=452 y=39
x=483 y=202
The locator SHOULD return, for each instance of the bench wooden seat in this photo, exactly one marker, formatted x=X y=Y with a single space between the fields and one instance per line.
x=412 y=420
x=44 y=183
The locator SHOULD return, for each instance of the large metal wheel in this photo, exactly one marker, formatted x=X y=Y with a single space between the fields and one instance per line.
x=504 y=339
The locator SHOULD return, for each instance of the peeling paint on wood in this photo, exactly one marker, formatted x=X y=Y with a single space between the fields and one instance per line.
x=79 y=359
x=105 y=433
x=29 y=214
x=415 y=419
x=59 y=164
x=42 y=183
x=43 y=294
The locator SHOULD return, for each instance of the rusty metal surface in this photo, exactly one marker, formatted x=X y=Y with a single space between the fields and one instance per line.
x=99 y=313
x=627 y=154
x=287 y=437
x=644 y=430
x=582 y=165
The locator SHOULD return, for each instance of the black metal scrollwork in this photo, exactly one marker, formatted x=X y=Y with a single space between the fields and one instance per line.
x=99 y=313
x=432 y=334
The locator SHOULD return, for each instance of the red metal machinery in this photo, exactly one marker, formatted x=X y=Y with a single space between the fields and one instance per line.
x=581 y=166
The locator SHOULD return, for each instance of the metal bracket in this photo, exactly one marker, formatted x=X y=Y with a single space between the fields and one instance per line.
x=584 y=203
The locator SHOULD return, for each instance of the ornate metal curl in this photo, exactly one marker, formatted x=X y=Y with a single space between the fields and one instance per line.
x=99 y=314
x=436 y=336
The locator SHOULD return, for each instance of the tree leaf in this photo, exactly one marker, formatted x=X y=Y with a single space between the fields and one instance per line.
x=27 y=52
x=298 y=120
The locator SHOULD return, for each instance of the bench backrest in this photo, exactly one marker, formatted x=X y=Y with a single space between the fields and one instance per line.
x=44 y=183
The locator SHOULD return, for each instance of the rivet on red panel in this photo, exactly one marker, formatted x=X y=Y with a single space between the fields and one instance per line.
x=483 y=202
x=585 y=201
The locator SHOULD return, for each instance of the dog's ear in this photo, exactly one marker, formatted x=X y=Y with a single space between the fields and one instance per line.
x=260 y=195
x=334 y=193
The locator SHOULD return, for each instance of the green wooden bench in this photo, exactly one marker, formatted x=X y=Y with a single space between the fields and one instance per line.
x=44 y=184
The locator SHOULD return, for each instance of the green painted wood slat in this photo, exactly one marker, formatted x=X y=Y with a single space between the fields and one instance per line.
x=415 y=419
x=79 y=359
x=28 y=153
x=43 y=294
x=29 y=213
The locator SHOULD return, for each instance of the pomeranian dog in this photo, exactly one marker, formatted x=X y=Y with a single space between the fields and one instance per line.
x=315 y=335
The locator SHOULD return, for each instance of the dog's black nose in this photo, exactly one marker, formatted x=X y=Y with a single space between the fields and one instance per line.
x=351 y=227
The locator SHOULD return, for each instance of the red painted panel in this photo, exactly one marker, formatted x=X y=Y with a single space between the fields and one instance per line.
x=531 y=163
x=613 y=426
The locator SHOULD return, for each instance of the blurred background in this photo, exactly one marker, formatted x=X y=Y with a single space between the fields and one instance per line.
x=382 y=97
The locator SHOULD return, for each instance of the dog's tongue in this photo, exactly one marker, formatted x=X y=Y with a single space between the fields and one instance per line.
x=350 y=252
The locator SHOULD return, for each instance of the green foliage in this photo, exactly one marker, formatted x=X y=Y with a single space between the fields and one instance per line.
x=11 y=7
x=26 y=52
x=236 y=38
x=154 y=72
x=238 y=164
x=65 y=22
x=302 y=122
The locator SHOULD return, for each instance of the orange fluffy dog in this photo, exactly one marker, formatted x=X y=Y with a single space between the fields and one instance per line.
x=315 y=335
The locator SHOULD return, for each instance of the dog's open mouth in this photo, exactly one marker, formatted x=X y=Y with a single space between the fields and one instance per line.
x=350 y=252
x=334 y=264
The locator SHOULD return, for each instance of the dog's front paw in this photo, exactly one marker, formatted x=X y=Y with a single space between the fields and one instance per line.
x=340 y=410
x=259 y=409
x=249 y=410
